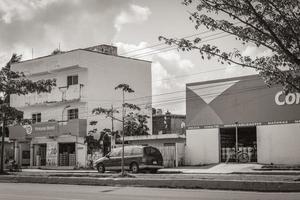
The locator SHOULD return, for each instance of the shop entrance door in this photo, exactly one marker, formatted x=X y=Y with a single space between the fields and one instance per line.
x=42 y=153
x=67 y=156
x=245 y=142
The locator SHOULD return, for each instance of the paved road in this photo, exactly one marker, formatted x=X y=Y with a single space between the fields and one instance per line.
x=18 y=191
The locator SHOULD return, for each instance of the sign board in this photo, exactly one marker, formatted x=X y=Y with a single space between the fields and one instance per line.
x=52 y=153
x=245 y=100
x=28 y=129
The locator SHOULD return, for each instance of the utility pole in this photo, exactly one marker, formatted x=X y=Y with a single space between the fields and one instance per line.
x=236 y=142
x=2 y=143
x=112 y=127
x=123 y=133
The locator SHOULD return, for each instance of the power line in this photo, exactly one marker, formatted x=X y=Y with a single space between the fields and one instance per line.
x=182 y=99
x=170 y=48
x=160 y=44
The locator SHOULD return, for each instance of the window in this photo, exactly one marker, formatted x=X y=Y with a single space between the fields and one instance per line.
x=137 y=151
x=72 y=80
x=36 y=117
x=73 y=114
x=115 y=152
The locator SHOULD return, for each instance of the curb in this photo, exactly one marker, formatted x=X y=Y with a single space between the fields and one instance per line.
x=261 y=186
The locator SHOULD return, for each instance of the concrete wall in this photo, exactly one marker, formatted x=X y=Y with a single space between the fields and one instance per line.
x=278 y=144
x=105 y=72
x=99 y=74
x=202 y=146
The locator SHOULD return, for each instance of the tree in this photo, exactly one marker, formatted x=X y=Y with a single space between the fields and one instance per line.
x=272 y=25
x=136 y=124
x=133 y=123
x=12 y=82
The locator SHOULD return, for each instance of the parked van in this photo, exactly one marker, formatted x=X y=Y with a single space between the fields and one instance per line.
x=136 y=158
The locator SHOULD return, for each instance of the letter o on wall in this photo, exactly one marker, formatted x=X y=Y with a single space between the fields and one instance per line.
x=290 y=98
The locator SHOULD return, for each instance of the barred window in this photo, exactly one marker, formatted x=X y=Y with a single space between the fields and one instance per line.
x=36 y=117
x=73 y=114
x=72 y=80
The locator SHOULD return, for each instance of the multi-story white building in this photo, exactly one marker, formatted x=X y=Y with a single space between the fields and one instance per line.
x=86 y=79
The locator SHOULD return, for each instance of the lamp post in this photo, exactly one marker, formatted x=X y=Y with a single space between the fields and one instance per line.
x=236 y=141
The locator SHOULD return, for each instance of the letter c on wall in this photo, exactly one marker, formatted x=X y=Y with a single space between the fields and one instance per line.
x=277 y=100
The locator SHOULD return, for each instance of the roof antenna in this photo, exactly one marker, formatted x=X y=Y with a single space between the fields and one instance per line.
x=59 y=46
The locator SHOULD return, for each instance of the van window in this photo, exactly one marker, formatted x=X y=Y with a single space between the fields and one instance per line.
x=137 y=151
x=151 y=151
x=127 y=151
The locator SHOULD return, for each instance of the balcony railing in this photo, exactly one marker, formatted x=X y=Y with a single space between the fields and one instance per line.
x=61 y=94
x=75 y=127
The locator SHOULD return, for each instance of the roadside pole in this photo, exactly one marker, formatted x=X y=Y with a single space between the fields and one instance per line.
x=123 y=132
x=236 y=142
x=112 y=140
x=2 y=143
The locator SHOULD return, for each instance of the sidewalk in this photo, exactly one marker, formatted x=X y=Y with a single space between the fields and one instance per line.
x=246 y=177
x=231 y=168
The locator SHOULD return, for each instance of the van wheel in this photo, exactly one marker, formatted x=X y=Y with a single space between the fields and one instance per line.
x=134 y=167
x=101 y=168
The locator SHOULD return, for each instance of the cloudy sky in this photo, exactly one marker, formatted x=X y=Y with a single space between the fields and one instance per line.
x=132 y=25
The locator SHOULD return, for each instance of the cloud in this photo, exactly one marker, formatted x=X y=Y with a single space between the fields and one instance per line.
x=168 y=70
x=21 y=10
x=135 y=14
x=42 y=24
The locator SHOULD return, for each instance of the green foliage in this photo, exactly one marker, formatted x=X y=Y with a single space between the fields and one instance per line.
x=272 y=25
x=92 y=143
x=131 y=106
x=12 y=82
x=136 y=124
x=124 y=88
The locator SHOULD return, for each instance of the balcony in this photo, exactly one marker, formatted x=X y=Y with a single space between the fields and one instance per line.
x=58 y=94
x=75 y=127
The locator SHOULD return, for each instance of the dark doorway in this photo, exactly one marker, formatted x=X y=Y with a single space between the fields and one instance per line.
x=246 y=143
x=67 y=156
x=42 y=154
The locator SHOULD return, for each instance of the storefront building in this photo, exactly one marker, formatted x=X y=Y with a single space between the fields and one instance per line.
x=60 y=120
x=241 y=114
x=50 y=144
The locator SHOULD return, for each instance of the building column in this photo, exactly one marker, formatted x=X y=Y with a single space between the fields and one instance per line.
x=176 y=155
x=16 y=152
x=31 y=154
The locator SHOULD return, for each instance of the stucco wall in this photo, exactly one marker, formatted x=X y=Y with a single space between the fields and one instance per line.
x=99 y=74
x=278 y=144
x=202 y=146
x=105 y=73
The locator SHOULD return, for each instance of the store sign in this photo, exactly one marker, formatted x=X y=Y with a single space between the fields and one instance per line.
x=45 y=128
x=289 y=99
x=28 y=129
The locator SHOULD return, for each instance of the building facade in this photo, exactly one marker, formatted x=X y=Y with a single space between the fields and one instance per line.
x=86 y=79
x=241 y=113
x=171 y=146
